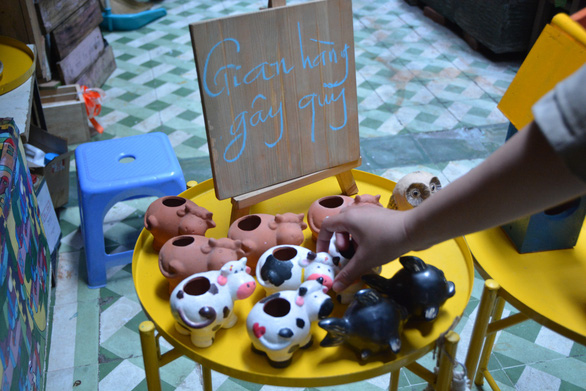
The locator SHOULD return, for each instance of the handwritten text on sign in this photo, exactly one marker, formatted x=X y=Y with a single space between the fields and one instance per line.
x=229 y=77
x=278 y=90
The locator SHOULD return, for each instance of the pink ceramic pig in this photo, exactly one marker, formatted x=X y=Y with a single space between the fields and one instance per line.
x=184 y=255
x=172 y=216
x=259 y=232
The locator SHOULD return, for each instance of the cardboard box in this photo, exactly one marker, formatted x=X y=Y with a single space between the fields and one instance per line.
x=65 y=113
x=56 y=172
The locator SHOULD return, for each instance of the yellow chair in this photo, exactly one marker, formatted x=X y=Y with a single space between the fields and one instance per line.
x=544 y=286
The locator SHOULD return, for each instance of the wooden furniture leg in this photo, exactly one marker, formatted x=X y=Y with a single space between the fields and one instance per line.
x=207 y=378
x=487 y=301
x=153 y=359
x=447 y=362
x=489 y=343
x=150 y=355
x=394 y=383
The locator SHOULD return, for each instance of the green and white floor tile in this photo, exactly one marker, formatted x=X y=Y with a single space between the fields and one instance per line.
x=426 y=101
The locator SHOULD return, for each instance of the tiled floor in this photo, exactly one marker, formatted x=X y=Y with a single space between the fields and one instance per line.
x=426 y=101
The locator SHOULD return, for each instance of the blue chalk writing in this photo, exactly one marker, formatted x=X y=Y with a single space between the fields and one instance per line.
x=310 y=100
x=239 y=127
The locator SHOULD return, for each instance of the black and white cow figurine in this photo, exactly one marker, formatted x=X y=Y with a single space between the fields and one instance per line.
x=285 y=267
x=280 y=324
x=204 y=303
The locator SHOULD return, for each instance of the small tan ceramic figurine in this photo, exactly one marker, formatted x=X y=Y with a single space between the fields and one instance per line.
x=413 y=189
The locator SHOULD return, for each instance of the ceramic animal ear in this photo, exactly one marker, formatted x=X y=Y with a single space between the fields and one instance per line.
x=413 y=264
x=376 y=282
x=311 y=255
x=183 y=211
x=337 y=328
x=367 y=297
x=302 y=291
x=451 y=289
x=395 y=344
x=150 y=222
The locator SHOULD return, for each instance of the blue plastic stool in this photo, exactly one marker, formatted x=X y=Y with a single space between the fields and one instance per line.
x=115 y=170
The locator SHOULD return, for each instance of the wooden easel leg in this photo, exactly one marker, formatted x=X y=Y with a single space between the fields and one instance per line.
x=150 y=354
x=238 y=211
x=347 y=183
x=446 y=362
x=485 y=309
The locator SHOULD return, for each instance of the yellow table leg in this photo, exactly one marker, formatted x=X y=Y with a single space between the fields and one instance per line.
x=207 y=378
x=150 y=354
x=487 y=302
x=489 y=342
x=447 y=361
x=394 y=384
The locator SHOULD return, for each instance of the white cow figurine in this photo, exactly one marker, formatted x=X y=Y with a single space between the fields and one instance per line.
x=280 y=324
x=285 y=267
x=204 y=302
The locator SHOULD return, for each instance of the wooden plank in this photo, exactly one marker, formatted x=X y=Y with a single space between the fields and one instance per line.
x=54 y=12
x=279 y=94
x=19 y=21
x=73 y=30
x=82 y=57
x=97 y=74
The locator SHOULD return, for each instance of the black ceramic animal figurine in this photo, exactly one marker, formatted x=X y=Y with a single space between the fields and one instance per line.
x=421 y=288
x=372 y=324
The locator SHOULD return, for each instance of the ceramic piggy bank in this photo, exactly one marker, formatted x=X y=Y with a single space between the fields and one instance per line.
x=171 y=216
x=341 y=259
x=184 y=255
x=332 y=205
x=259 y=232
x=204 y=303
x=280 y=324
x=286 y=267
x=420 y=288
x=372 y=324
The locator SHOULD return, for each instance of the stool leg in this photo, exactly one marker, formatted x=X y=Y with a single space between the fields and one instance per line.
x=150 y=354
x=93 y=237
x=487 y=302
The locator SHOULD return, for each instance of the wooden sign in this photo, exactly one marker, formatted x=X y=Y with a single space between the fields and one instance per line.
x=278 y=90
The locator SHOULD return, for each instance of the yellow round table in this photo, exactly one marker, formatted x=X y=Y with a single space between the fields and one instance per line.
x=231 y=352
x=546 y=286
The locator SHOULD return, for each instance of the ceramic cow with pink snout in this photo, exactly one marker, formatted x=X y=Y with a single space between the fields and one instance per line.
x=204 y=303
x=286 y=267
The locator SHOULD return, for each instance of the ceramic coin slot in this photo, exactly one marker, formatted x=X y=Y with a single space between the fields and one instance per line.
x=183 y=242
x=173 y=202
x=197 y=287
x=250 y=223
x=285 y=253
x=277 y=308
x=332 y=202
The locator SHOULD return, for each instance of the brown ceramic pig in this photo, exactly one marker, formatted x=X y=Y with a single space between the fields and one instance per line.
x=184 y=255
x=259 y=232
x=171 y=216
